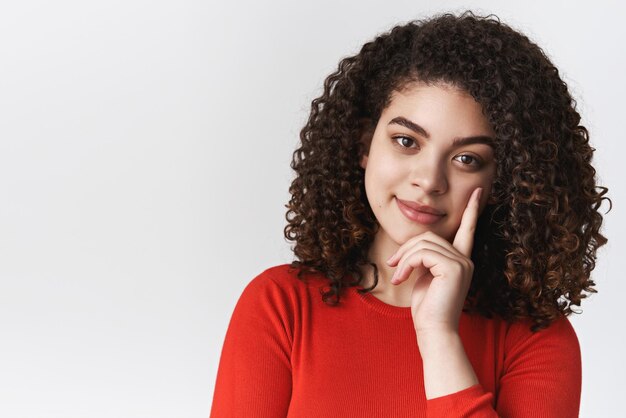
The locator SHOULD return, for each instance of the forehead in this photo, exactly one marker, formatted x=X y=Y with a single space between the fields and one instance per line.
x=441 y=107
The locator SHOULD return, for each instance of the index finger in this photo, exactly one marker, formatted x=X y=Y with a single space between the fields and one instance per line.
x=464 y=238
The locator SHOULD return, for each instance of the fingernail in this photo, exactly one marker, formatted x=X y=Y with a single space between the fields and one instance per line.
x=480 y=192
x=391 y=258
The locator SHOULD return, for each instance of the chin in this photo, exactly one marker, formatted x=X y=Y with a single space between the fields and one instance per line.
x=402 y=238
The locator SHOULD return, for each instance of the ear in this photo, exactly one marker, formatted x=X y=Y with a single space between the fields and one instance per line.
x=367 y=133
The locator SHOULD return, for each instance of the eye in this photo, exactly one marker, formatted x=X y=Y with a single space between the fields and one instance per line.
x=404 y=142
x=469 y=160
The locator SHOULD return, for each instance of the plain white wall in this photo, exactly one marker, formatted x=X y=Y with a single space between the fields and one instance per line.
x=144 y=169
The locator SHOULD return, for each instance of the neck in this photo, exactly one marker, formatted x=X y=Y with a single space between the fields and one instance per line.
x=382 y=248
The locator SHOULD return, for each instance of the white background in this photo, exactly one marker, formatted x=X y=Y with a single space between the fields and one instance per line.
x=144 y=169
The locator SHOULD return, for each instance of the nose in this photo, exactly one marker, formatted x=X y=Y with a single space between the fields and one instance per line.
x=430 y=176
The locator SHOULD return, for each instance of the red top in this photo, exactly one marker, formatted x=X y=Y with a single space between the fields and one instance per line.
x=288 y=354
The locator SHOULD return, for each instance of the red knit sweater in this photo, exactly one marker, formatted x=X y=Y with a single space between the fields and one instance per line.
x=287 y=354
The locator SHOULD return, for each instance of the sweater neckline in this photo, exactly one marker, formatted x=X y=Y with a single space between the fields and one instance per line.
x=381 y=307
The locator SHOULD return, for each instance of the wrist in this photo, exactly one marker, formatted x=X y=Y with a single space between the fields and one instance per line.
x=447 y=368
x=436 y=333
x=437 y=339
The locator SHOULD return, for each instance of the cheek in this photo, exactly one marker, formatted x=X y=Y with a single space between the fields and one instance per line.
x=462 y=194
x=381 y=174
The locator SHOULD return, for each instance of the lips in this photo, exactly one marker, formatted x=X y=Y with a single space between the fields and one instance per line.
x=421 y=208
x=419 y=215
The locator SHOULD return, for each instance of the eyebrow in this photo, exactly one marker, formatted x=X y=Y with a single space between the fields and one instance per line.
x=456 y=142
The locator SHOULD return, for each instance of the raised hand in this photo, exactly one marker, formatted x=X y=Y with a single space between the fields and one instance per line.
x=444 y=273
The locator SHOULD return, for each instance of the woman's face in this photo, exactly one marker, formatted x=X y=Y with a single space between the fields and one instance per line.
x=431 y=146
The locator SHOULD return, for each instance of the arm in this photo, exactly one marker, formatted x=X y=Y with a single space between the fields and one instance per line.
x=444 y=272
x=542 y=371
x=446 y=366
x=541 y=377
x=254 y=374
x=451 y=386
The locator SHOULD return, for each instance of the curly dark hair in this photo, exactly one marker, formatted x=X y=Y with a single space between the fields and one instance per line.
x=534 y=248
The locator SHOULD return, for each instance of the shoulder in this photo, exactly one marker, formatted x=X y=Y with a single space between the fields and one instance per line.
x=284 y=277
x=280 y=286
x=556 y=343
x=273 y=303
x=560 y=330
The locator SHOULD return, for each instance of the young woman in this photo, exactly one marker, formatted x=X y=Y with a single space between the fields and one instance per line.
x=446 y=218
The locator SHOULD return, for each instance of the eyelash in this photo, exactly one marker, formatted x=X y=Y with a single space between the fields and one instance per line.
x=396 y=143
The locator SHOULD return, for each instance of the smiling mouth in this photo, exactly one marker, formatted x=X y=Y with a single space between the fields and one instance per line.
x=419 y=216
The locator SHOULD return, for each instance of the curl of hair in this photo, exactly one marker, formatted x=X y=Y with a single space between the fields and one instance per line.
x=535 y=248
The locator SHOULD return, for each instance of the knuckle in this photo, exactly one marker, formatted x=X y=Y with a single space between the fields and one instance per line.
x=421 y=245
x=458 y=267
x=424 y=235
x=430 y=234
